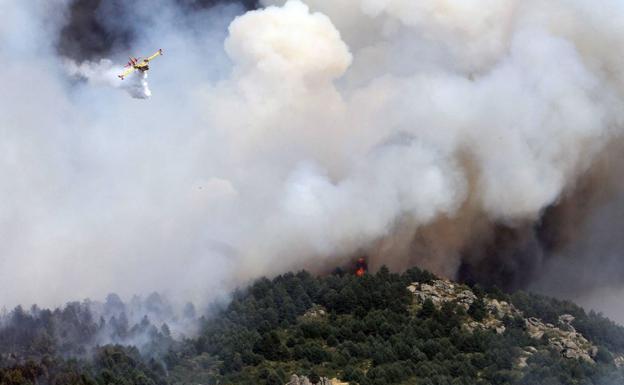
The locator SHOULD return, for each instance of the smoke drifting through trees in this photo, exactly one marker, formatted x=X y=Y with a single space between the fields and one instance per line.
x=455 y=136
x=150 y=324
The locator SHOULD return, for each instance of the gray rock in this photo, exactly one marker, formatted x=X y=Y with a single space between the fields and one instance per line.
x=303 y=380
x=562 y=337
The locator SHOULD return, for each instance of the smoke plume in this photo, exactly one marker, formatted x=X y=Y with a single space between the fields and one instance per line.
x=478 y=139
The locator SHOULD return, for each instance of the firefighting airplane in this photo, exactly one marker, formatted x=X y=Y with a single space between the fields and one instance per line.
x=136 y=64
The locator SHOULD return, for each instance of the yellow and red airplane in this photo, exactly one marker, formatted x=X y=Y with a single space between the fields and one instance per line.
x=137 y=64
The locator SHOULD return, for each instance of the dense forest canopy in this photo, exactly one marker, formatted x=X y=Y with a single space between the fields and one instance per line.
x=363 y=330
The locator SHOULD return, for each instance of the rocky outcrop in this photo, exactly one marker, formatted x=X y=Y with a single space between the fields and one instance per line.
x=561 y=337
x=500 y=309
x=496 y=312
x=618 y=360
x=316 y=311
x=440 y=291
x=303 y=380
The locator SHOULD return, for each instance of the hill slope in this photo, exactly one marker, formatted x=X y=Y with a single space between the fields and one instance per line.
x=376 y=329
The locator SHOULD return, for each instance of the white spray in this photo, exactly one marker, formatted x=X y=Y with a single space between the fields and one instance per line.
x=105 y=73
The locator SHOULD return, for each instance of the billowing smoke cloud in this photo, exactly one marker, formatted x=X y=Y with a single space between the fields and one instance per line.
x=452 y=135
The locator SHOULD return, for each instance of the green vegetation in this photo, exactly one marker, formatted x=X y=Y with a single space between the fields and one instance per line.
x=361 y=330
x=597 y=328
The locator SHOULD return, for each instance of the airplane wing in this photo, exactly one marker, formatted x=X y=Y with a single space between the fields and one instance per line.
x=126 y=73
x=158 y=53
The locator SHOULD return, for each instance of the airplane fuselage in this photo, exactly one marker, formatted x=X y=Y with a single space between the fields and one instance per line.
x=135 y=64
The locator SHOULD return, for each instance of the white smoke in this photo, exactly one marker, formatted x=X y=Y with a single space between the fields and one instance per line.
x=105 y=73
x=307 y=131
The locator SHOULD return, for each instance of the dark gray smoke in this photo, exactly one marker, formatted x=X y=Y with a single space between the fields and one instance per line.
x=95 y=29
x=573 y=250
x=90 y=31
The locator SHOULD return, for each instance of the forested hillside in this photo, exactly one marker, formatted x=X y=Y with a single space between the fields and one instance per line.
x=365 y=330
